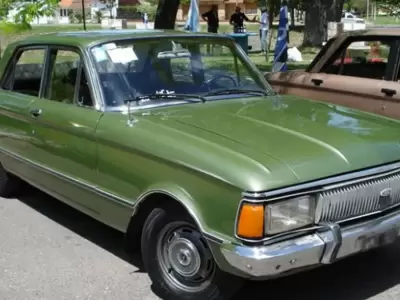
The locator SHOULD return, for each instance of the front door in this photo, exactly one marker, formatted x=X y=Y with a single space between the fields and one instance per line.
x=64 y=126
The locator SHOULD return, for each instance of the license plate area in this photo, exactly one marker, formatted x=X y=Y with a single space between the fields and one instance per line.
x=375 y=240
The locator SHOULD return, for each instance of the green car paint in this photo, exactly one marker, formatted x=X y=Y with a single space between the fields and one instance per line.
x=202 y=154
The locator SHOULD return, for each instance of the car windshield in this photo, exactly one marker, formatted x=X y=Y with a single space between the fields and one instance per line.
x=145 y=71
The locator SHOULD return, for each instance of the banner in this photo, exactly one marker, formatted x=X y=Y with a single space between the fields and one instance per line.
x=192 y=23
x=281 y=47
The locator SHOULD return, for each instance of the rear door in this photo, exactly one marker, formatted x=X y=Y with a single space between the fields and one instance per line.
x=20 y=86
x=64 y=124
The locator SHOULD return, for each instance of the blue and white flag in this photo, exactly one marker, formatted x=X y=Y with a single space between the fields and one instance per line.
x=192 y=22
x=281 y=46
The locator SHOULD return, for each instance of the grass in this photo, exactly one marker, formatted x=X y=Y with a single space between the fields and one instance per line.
x=296 y=38
x=384 y=20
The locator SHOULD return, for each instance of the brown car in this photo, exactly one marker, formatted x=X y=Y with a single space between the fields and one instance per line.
x=358 y=69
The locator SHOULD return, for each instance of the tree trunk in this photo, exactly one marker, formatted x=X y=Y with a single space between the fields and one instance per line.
x=292 y=17
x=166 y=14
x=318 y=14
x=271 y=11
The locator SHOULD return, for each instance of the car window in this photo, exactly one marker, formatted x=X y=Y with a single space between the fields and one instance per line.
x=25 y=76
x=365 y=59
x=232 y=68
x=65 y=71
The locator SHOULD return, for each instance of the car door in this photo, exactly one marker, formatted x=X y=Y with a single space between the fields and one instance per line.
x=297 y=82
x=64 y=124
x=20 y=86
x=358 y=76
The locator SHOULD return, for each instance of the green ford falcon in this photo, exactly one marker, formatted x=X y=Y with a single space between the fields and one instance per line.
x=177 y=140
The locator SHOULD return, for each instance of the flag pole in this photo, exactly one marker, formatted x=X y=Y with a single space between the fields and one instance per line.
x=83 y=15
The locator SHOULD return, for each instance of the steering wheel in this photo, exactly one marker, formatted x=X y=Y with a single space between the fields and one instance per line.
x=211 y=80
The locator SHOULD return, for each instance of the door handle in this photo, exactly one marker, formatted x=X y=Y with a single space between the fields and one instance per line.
x=316 y=81
x=35 y=112
x=388 y=92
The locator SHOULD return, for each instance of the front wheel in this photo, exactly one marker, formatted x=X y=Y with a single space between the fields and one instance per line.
x=179 y=261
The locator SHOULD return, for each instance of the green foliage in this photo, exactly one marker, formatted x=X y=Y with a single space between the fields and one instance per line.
x=358 y=5
x=149 y=7
x=392 y=7
x=109 y=4
x=78 y=17
x=29 y=11
x=99 y=16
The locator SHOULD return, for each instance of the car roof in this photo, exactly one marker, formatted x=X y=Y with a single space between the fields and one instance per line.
x=375 y=31
x=87 y=38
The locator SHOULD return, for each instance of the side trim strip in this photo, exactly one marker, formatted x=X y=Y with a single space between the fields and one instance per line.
x=72 y=180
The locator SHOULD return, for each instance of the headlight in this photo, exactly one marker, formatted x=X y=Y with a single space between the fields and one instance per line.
x=289 y=214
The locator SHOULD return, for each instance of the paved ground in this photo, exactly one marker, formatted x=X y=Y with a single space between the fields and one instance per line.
x=50 y=251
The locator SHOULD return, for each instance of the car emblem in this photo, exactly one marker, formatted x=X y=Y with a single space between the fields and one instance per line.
x=385 y=198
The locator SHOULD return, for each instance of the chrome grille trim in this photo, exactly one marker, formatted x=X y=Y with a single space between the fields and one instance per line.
x=308 y=187
x=359 y=199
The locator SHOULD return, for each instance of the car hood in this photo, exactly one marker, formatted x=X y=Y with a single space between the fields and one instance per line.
x=270 y=142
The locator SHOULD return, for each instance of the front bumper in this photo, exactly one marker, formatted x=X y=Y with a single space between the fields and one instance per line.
x=323 y=247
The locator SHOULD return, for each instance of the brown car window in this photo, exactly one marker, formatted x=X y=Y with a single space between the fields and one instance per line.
x=365 y=59
x=25 y=76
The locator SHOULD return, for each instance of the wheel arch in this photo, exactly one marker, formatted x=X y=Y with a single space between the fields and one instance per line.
x=157 y=197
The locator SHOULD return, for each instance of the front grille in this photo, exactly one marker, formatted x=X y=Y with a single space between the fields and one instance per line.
x=363 y=198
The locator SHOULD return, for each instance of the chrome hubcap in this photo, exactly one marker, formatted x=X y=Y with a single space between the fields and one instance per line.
x=184 y=257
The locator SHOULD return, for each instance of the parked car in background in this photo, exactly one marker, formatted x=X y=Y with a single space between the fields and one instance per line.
x=177 y=140
x=351 y=18
x=358 y=69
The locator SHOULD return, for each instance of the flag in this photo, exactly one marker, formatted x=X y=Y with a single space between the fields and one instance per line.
x=281 y=46
x=192 y=23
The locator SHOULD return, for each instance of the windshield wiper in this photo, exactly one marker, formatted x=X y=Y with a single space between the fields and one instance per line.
x=236 y=91
x=172 y=96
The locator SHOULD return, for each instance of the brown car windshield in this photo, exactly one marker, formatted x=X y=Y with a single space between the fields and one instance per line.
x=195 y=66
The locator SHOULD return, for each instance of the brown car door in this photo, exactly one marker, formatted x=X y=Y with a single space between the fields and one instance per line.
x=357 y=74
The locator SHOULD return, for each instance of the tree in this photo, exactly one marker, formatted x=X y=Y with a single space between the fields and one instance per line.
x=27 y=12
x=109 y=4
x=149 y=7
x=24 y=13
x=318 y=14
x=165 y=16
x=392 y=7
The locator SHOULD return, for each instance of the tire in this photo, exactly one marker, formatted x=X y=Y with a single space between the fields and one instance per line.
x=9 y=184
x=173 y=272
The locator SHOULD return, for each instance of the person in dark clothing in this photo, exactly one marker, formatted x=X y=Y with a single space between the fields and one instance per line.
x=211 y=17
x=237 y=19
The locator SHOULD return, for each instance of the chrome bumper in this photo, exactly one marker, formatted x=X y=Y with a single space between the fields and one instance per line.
x=323 y=247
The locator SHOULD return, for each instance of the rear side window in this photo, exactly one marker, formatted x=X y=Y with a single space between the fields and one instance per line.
x=25 y=74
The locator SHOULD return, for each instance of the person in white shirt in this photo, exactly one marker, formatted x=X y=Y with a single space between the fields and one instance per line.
x=264 y=27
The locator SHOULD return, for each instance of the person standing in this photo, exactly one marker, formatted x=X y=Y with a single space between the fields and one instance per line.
x=264 y=29
x=211 y=17
x=237 y=19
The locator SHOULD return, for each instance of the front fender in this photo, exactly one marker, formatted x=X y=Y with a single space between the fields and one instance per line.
x=197 y=207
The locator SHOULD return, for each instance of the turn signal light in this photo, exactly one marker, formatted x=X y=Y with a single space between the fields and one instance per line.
x=250 y=223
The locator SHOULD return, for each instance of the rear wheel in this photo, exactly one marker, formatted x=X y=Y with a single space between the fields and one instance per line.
x=9 y=184
x=179 y=260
